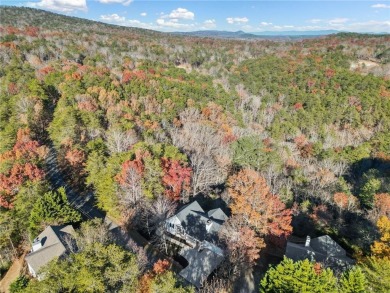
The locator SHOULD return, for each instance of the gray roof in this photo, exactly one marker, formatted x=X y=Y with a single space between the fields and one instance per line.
x=326 y=245
x=192 y=208
x=194 y=220
x=52 y=246
x=217 y=214
x=201 y=264
x=322 y=249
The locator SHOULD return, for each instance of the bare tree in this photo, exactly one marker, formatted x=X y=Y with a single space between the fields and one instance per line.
x=243 y=247
x=209 y=157
x=216 y=285
x=143 y=262
x=119 y=141
x=130 y=188
x=92 y=231
x=157 y=212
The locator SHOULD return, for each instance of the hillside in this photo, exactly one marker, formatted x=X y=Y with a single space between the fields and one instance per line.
x=287 y=138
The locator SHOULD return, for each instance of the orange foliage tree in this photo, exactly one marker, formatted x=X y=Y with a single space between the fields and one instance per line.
x=381 y=248
x=252 y=200
x=242 y=243
x=382 y=204
x=345 y=202
x=161 y=266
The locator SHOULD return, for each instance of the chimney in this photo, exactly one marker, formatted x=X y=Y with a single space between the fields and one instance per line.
x=307 y=243
x=208 y=225
x=37 y=244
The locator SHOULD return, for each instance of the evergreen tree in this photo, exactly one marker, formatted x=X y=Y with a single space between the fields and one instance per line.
x=167 y=283
x=353 y=281
x=377 y=272
x=297 y=277
x=52 y=208
x=97 y=268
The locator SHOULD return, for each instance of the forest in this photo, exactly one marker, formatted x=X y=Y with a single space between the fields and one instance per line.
x=288 y=138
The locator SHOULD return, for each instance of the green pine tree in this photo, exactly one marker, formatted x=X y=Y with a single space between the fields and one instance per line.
x=52 y=208
x=353 y=281
x=297 y=277
x=377 y=272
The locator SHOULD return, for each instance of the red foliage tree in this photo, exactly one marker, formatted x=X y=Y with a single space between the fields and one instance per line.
x=298 y=106
x=22 y=158
x=176 y=178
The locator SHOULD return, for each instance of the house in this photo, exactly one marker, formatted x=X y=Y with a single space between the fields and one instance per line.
x=322 y=249
x=196 y=231
x=51 y=243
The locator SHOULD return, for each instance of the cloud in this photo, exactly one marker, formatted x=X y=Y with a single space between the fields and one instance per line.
x=369 y=26
x=143 y=14
x=60 y=5
x=177 y=19
x=314 y=20
x=113 y=18
x=121 y=20
x=263 y=23
x=237 y=20
x=181 y=13
x=384 y=6
x=209 y=23
x=123 y=2
x=338 y=21
x=173 y=23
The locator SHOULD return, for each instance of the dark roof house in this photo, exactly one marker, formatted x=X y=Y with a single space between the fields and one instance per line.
x=196 y=231
x=321 y=249
x=51 y=243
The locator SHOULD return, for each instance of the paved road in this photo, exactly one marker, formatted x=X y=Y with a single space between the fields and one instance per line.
x=84 y=204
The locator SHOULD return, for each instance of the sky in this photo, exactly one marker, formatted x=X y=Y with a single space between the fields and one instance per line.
x=248 y=16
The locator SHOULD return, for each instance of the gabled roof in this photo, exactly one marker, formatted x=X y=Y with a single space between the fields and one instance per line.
x=204 y=226
x=201 y=264
x=321 y=249
x=195 y=220
x=327 y=246
x=217 y=214
x=192 y=208
x=53 y=245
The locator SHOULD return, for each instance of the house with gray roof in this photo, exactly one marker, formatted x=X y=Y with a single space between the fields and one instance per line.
x=322 y=249
x=51 y=243
x=196 y=231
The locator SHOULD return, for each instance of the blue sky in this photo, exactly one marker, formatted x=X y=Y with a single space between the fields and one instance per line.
x=249 y=16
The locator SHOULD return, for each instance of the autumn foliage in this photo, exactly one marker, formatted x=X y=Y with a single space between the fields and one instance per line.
x=381 y=248
x=22 y=159
x=176 y=178
x=252 y=200
x=345 y=201
x=161 y=266
x=382 y=204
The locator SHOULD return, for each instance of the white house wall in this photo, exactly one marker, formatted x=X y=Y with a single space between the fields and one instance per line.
x=172 y=220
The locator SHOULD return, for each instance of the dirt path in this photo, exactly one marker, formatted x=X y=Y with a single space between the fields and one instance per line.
x=11 y=275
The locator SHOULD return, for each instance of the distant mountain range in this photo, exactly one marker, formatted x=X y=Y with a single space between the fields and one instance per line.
x=259 y=35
